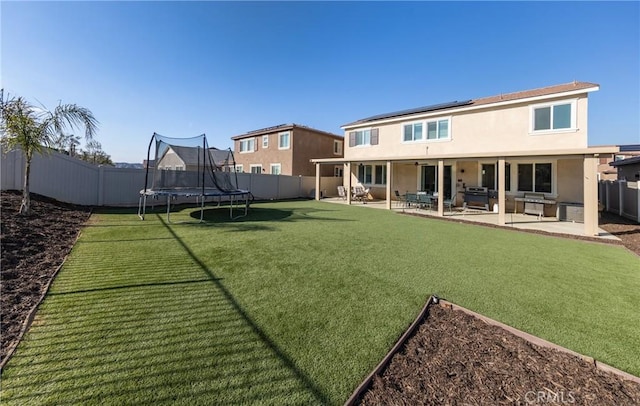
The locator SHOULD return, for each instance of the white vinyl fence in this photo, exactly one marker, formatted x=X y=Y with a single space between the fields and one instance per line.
x=74 y=181
x=621 y=197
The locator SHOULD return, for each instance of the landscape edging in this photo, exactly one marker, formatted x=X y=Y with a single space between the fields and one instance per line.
x=357 y=393
x=542 y=343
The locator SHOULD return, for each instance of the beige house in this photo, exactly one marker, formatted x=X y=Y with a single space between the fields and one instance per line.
x=287 y=149
x=511 y=145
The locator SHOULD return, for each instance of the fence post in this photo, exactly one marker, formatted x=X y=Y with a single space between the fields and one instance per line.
x=607 y=189
x=101 y=186
x=621 y=197
x=638 y=201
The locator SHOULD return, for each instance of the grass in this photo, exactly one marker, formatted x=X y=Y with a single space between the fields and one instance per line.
x=297 y=302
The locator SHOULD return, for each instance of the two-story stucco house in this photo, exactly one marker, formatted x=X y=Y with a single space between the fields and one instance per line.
x=532 y=141
x=287 y=150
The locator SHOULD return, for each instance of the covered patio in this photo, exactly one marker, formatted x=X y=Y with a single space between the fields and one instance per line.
x=572 y=177
x=519 y=221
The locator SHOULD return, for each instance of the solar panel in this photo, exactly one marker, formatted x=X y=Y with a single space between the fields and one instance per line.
x=416 y=110
x=268 y=128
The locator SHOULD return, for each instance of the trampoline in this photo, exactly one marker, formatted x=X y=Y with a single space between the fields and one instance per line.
x=186 y=168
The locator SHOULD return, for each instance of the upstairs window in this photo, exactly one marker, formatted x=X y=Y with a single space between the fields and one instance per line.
x=337 y=147
x=247 y=145
x=412 y=132
x=438 y=129
x=265 y=141
x=285 y=139
x=553 y=117
x=363 y=137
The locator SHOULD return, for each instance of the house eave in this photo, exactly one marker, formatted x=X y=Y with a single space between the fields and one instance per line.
x=589 y=151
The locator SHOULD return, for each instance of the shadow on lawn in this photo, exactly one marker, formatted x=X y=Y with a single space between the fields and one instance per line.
x=186 y=341
x=221 y=215
x=317 y=393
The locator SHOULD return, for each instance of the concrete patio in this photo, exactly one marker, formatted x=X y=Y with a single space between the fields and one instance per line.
x=513 y=220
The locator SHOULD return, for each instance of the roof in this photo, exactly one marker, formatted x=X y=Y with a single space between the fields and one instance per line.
x=282 y=127
x=630 y=148
x=193 y=156
x=628 y=161
x=504 y=97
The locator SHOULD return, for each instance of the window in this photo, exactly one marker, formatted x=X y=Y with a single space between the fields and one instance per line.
x=247 y=145
x=276 y=169
x=372 y=174
x=256 y=168
x=535 y=178
x=284 y=140
x=337 y=147
x=413 y=132
x=553 y=117
x=490 y=179
x=438 y=130
x=265 y=141
x=363 y=137
x=364 y=174
x=337 y=171
x=380 y=177
x=239 y=168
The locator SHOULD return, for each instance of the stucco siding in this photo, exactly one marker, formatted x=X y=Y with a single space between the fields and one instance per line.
x=497 y=129
x=570 y=181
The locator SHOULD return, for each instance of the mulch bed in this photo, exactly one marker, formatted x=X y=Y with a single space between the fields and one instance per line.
x=454 y=358
x=33 y=248
x=451 y=359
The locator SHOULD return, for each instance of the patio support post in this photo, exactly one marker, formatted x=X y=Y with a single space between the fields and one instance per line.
x=388 y=185
x=590 y=164
x=441 y=195
x=317 y=181
x=347 y=173
x=502 y=198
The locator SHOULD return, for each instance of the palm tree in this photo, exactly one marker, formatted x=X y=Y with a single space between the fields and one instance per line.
x=31 y=128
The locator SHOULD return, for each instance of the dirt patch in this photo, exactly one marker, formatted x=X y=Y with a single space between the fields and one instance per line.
x=626 y=230
x=454 y=358
x=32 y=250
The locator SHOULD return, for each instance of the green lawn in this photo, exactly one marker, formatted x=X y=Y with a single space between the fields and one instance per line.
x=296 y=303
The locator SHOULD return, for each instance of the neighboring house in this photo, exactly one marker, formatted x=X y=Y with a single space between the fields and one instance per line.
x=536 y=138
x=287 y=149
x=178 y=158
x=608 y=171
x=628 y=169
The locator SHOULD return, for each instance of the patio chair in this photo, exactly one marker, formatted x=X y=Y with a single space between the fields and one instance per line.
x=360 y=193
x=423 y=200
x=410 y=198
x=400 y=199
x=342 y=193
x=450 y=202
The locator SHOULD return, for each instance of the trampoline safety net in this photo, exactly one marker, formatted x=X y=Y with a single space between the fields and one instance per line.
x=188 y=167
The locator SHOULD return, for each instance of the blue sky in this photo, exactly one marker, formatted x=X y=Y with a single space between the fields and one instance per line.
x=225 y=68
